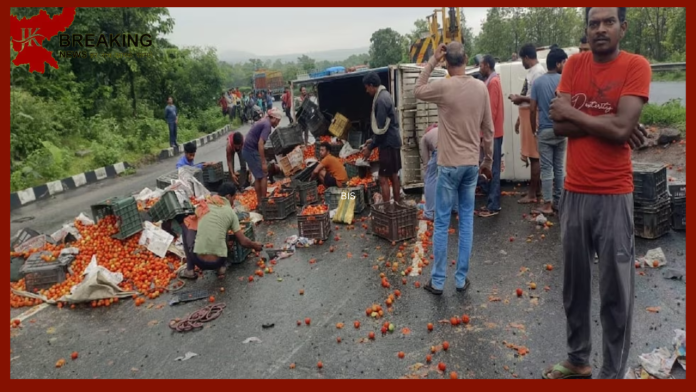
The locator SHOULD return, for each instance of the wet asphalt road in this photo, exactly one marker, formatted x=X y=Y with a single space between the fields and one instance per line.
x=125 y=341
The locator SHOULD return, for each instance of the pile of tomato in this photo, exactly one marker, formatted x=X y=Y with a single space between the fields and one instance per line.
x=357 y=181
x=374 y=156
x=248 y=199
x=315 y=210
x=142 y=271
x=321 y=189
x=310 y=152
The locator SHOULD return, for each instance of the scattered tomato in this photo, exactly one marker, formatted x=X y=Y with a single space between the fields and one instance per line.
x=307 y=321
x=320 y=365
x=356 y=324
x=441 y=367
x=428 y=358
x=430 y=326
x=453 y=375
x=74 y=355
x=519 y=292
x=401 y=355
x=445 y=346
x=371 y=335
x=465 y=319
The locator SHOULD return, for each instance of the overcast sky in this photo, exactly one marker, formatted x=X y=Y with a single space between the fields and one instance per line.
x=278 y=31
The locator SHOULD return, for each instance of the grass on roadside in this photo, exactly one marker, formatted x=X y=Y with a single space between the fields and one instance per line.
x=670 y=114
x=669 y=76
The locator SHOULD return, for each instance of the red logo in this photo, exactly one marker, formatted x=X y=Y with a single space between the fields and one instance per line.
x=27 y=36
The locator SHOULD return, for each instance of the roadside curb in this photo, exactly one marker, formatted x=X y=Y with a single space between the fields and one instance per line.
x=171 y=152
x=45 y=191
x=30 y=195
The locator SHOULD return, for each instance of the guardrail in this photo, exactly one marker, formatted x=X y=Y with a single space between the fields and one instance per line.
x=669 y=67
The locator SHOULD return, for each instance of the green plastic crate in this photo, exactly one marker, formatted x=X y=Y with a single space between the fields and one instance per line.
x=236 y=253
x=333 y=197
x=352 y=170
x=305 y=192
x=125 y=209
x=278 y=208
x=213 y=173
x=168 y=207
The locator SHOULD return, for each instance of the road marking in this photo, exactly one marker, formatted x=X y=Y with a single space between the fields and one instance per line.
x=31 y=312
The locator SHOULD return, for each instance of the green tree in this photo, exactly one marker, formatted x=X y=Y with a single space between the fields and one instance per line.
x=306 y=63
x=386 y=47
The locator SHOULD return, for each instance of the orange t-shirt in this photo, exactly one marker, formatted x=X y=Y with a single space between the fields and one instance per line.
x=335 y=168
x=595 y=165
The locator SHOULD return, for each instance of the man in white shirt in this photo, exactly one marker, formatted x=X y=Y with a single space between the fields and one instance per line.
x=528 y=142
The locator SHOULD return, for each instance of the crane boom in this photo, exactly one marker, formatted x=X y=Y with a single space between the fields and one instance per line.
x=451 y=30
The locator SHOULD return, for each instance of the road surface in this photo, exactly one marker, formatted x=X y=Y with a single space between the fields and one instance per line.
x=661 y=92
x=125 y=341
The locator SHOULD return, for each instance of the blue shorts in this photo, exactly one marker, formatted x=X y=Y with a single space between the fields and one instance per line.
x=253 y=160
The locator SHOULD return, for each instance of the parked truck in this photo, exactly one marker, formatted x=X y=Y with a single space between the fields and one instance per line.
x=264 y=80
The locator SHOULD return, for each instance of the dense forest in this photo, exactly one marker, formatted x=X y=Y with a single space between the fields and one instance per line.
x=97 y=111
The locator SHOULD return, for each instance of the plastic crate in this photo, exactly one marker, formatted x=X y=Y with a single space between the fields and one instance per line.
x=168 y=179
x=285 y=139
x=351 y=170
x=39 y=274
x=292 y=162
x=126 y=211
x=278 y=208
x=340 y=125
x=370 y=191
x=649 y=181
x=652 y=220
x=312 y=120
x=305 y=174
x=236 y=253
x=213 y=173
x=317 y=227
x=334 y=194
x=394 y=222
x=336 y=149
x=356 y=138
x=678 y=221
x=168 y=207
x=306 y=193
x=677 y=190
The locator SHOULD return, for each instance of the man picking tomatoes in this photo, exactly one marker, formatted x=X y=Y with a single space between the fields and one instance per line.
x=205 y=233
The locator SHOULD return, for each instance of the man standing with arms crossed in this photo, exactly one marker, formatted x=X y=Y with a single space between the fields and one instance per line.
x=465 y=123
x=495 y=92
x=601 y=96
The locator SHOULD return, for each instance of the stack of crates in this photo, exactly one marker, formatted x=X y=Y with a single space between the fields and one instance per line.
x=677 y=192
x=652 y=210
x=126 y=211
x=236 y=253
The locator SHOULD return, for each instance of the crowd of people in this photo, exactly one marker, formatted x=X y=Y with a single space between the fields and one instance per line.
x=586 y=106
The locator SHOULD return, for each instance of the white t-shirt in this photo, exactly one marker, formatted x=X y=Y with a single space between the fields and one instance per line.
x=532 y=75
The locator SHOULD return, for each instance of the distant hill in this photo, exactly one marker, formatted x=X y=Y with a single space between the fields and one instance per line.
x=237 y=56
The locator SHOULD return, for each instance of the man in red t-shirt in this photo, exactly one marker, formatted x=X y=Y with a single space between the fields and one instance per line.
x=600 y=99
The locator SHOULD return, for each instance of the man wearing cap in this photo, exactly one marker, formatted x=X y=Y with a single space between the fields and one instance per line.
x=205 y=233
x=253 y=150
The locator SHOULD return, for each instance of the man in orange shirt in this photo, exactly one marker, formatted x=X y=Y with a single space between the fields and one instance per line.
x=600 y=98
x=495 y=92
x=330 y=170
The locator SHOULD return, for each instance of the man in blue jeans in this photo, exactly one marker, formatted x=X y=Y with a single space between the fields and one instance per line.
x=552 y=148
x=171 y=115
x=465 y=123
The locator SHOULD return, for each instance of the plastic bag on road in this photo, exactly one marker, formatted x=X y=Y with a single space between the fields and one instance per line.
x=659 y=362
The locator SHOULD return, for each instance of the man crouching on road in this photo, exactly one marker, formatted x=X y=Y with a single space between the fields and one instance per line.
x=205 y=233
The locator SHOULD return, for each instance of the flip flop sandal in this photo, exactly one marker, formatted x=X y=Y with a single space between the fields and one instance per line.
x=487 y=214
x=539 y=211
x=566 y=374
x=532 y=201
x=184 y=275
